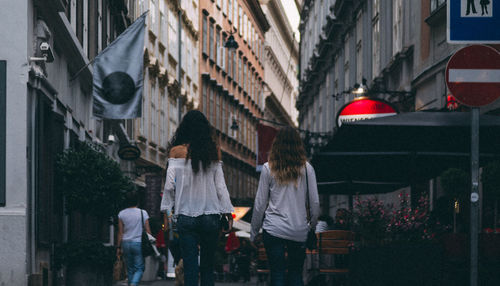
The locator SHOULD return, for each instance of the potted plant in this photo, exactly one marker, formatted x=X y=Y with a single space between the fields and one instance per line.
x=94 y=189
x=87 y=262
x=404 y=251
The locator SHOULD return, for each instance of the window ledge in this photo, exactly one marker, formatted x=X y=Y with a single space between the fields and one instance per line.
x=437 y=16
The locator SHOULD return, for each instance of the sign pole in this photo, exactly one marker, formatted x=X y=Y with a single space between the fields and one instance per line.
x=474 y=197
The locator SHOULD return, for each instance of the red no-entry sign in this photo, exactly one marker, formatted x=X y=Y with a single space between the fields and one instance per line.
x=473 y=75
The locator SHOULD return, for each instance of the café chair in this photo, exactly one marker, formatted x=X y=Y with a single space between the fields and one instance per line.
x=333 y=244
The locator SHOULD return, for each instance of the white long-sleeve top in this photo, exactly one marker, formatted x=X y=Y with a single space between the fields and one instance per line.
x=280 y=209
x=195 y=194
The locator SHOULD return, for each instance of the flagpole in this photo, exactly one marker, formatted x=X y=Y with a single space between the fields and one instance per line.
x=80 y=70
x=92 y=61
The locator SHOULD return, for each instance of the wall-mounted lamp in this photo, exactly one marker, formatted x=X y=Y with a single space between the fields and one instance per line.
x=360 y=89
x=363 y=90
x=111 y=139
x=234 y=125
x=231 y=43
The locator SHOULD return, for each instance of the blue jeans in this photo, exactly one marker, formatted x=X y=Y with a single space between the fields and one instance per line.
x=202 y=231
x=278 y=264
x=135 y=262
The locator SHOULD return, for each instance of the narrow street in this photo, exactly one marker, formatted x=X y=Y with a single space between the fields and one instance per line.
x=171 y=282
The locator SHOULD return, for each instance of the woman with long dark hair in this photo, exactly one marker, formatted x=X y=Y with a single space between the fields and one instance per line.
x=196 y=189
x=280 y=207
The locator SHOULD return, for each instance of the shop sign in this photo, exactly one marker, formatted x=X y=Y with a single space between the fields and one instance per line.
x=129 y=152
x=364 y=108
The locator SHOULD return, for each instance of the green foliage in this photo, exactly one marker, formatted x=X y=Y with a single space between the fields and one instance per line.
x=491 y=179
x=91 y=182
x=455 y=183
x=86 y=253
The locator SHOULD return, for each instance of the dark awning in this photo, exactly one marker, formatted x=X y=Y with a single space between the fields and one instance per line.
x=383 y=154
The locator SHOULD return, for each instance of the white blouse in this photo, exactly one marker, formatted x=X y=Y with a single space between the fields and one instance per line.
x=193 y=194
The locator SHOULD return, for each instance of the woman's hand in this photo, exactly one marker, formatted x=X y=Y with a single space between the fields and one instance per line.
x=230 y=223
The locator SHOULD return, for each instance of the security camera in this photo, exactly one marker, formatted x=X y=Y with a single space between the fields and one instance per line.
x=46 y=51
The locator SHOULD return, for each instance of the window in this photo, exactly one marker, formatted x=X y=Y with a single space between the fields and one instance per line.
x=229 y=64
x=144 y=119
x=397 y=26
x=152 y=14
x=224 y=54
x=235 y=14
x=204 y=35
x=211 y=106
x=162 y=120
x=218 y=56
x=224 y=116
x=435 y=4
x=219 y=4
x=240 y=72
x=245 y=26
x=244 y=131
x=230 y=10
x=164 y=25
x=212 y=42
x=245 y=77
x=235 y=66
x=172 y=114
x=359 y=50
x=172 y=34
x=143 y=6
x=346 y=63
x=375 y=38
x=153 y=114
x=224 y=7
x=218 y=112
x=204 y=97
x=240 y=20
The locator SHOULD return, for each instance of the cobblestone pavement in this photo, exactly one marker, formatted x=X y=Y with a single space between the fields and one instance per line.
x=171 y=282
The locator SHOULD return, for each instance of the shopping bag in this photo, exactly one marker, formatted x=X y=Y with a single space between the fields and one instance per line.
x=119 y=272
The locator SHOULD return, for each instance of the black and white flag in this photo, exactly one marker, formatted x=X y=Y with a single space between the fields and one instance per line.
x=118 y=75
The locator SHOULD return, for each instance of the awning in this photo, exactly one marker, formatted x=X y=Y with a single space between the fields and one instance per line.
x=384 y=154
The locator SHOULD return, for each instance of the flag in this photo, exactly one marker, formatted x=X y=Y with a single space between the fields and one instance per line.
x=118 y=75
x=265 y=137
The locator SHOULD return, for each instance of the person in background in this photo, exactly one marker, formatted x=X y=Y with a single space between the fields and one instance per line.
x=341 y=220
x=195 y=185
x=243 y=259
x=280 y=207
x=325 y=222
x=129 y=237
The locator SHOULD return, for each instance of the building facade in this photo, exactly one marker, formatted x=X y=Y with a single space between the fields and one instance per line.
x=398 y=47
x=232 y=86
x=281 y=53
x=48 y=109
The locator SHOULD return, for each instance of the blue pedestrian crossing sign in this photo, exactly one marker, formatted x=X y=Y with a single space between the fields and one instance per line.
x=473 y=21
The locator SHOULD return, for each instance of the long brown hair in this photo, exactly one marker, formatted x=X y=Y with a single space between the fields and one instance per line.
x=287 y=156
